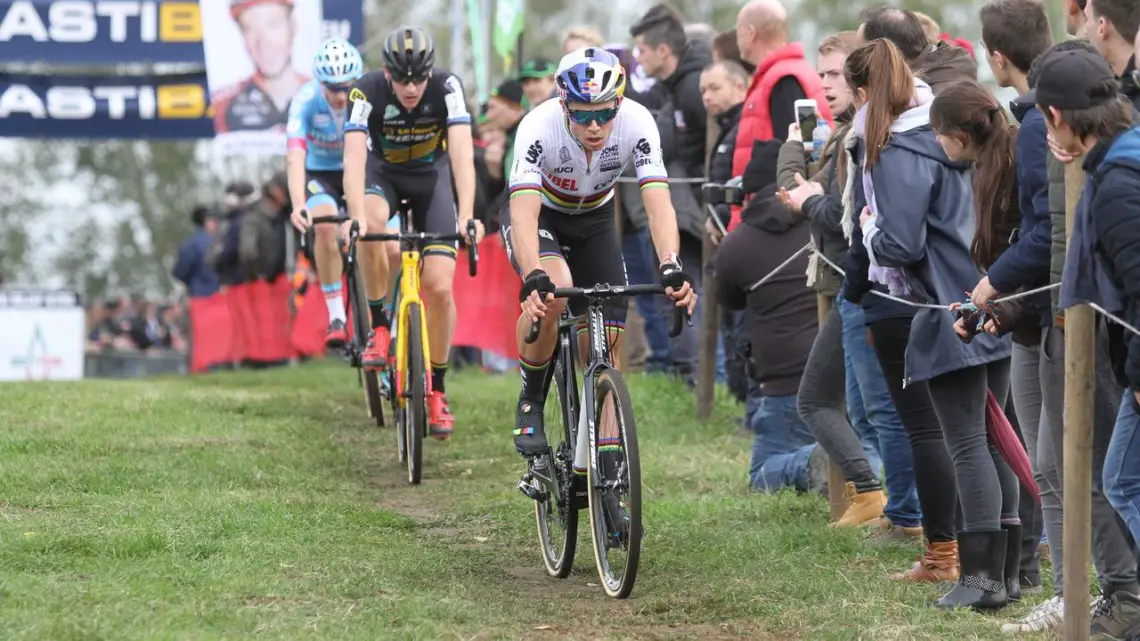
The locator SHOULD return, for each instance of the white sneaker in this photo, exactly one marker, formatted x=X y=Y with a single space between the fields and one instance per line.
x=1044 y=616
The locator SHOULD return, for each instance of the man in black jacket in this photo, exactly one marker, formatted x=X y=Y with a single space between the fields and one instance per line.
x=723 y=86
x=665 y=54
x=781 y=318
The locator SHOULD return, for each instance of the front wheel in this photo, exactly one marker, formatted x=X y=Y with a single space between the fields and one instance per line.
x=614 y=477
x=415 y=410
x=374 y=397
x=557 y=514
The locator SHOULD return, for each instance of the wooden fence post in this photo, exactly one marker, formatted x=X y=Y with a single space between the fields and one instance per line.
x=710 y=310
x=1080 y=355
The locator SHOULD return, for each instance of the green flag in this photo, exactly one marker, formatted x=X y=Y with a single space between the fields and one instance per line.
x=510 y=17
x=479 y=51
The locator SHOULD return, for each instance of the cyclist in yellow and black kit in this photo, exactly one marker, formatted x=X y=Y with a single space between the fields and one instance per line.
x=408 y=135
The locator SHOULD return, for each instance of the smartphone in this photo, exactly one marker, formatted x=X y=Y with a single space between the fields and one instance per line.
x=807 y=116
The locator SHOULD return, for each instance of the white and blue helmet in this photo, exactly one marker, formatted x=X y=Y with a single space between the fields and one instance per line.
x=337 y=62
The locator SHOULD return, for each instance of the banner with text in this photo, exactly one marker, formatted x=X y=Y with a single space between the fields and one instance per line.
x=35 y=106
x=121 y=31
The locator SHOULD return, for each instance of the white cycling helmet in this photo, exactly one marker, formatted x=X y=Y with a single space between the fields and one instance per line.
x=590 y=75
x=337 y=62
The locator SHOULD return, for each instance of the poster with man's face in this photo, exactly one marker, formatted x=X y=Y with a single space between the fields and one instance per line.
x=259 y=54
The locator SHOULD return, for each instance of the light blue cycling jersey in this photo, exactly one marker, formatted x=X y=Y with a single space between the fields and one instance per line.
x=317 y=128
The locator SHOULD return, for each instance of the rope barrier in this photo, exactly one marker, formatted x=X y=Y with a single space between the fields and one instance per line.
x=630 y=179
x=910 y=303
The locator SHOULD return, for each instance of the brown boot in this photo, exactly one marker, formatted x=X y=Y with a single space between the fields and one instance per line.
x=884 y=530
x=863 y=507
x=939 y=563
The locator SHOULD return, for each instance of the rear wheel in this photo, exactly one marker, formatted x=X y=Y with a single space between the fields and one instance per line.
x=615 y=486
x=416 y=385
x=557 y=515
x=361 y=327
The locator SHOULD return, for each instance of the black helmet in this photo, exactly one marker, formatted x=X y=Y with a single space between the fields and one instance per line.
x=408 y=53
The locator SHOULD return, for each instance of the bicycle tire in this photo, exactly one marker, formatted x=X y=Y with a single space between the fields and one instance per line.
x=559 y=562
x=361 y=315
x=609 y=382
x=415 y=411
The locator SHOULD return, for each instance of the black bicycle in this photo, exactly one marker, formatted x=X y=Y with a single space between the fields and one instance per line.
x=570 y=476
x=376 y=389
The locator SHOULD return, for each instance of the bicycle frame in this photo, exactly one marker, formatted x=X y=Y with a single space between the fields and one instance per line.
x=409 y=293
x=598 y=354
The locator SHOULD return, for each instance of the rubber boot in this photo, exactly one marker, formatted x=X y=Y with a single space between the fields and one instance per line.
x=1014 y=534
x=981 y=585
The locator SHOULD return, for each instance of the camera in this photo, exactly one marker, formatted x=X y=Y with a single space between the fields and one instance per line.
x=730 y=193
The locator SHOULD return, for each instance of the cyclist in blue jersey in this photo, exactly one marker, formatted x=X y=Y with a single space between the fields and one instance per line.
x=314 y=164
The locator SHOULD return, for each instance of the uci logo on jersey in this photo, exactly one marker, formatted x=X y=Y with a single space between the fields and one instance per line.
x=563 y=170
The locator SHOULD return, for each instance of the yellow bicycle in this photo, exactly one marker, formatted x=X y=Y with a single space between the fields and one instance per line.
x=409 y=379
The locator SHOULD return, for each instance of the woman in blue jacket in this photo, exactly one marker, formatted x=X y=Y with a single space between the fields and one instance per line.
x=917 y=226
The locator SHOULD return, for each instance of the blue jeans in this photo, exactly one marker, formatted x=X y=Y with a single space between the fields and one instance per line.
x=641 y=269
x=782 y=446
x=1122 y=465
x=872 y=414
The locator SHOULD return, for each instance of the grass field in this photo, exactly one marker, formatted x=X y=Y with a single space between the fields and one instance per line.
x=265 y=505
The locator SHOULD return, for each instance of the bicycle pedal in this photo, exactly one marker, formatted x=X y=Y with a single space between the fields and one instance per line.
x=525 y=486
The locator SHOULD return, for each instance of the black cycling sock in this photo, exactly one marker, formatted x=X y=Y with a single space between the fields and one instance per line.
x=437 y=373
x=533 y=379
x=379 y=313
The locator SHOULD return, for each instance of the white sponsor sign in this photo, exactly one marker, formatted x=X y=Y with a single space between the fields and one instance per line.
x=41 y=337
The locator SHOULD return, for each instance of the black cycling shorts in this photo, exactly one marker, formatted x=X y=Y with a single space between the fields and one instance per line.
x=589 y=245
x=429 y=196
x=324 y=188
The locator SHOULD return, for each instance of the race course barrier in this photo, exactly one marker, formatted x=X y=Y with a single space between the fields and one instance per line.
x=253 y=322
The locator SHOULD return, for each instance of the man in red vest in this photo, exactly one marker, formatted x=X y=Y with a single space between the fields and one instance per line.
x=782 y=77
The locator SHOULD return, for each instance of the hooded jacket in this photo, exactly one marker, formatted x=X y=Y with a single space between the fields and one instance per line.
x=944 y=64
x=781 y=318
x=924 y=227
x=1056 y=170
x=1112 y=198
x=687 y=115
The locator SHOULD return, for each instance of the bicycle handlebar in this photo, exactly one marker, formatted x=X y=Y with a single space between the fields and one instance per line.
x=472 y=254
x=601 y=292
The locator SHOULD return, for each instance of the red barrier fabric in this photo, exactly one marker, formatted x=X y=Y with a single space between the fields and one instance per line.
x=211 y=332
x=253 y=322
x=486 y=306
x=308 y=332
